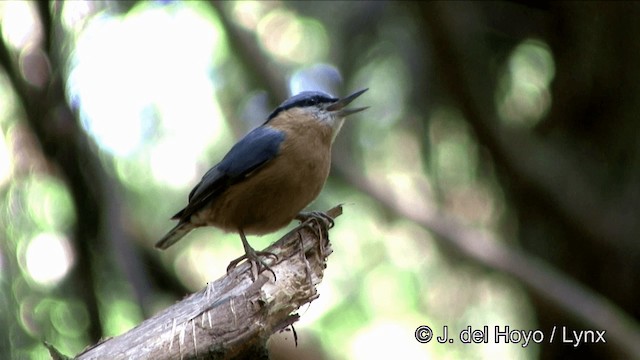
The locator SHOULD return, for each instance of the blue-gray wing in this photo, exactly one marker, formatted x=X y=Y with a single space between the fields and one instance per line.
x=250 y=153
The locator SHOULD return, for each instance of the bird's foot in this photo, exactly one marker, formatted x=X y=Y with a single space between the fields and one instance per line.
x=319 y=216
x=324 y=222
x=253 y=257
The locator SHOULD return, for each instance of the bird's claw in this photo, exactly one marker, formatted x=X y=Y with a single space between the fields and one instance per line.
x=317 y=216
x=253 y=257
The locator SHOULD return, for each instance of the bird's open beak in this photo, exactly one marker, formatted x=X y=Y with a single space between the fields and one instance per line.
x=339 y=106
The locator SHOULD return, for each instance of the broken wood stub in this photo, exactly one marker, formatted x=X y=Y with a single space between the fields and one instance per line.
x=234 y=316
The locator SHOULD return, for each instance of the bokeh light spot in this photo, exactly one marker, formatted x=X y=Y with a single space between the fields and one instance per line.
x=293 y=38
x=248 y=13
x=70 y=318
x=120 y=316
x=114 y=91
x=524 y=96
x=49 y=203
x=74 y=14
x=48 y=258
x=19 y=25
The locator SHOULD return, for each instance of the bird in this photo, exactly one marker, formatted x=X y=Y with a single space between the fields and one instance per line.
x=269 y=176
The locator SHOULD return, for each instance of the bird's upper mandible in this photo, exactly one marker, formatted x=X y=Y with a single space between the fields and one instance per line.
x=315 y=105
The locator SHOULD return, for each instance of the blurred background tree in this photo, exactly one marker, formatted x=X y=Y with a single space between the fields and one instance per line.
x=495 y=180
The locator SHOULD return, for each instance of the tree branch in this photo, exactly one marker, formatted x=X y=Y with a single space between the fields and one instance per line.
x=234 y=316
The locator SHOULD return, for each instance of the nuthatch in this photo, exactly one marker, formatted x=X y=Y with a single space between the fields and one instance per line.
x=270 y=175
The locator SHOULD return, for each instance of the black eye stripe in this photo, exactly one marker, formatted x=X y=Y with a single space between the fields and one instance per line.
x=304 y=99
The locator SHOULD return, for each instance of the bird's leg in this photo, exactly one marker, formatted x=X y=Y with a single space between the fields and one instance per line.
x=253 y=257
x=316 y=215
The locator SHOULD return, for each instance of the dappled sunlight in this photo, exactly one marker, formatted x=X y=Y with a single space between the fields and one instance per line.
x=389 y=291
x=411 y=248
x=205 y=257
x=120 y=315
x=249 y=13
x=48 y=259
x=387 y=339
x=115 y=92
x=193 y=265
x=23 y=147
x=162 y=89
x=27 y=314
x=400 y=172
x=292 y=38
x=388 y=81
x=19 y=24
x=359 y=232
x=448 y=179
x=76 y=14
x=476 y=204
x=526 y=97
x=170 y=170
x=67 y=317
x=454 y=167
x=332 y=295
x=135 y=171
x=287 y=36
x=38 y=212
x=454 y=155
x=48 y=204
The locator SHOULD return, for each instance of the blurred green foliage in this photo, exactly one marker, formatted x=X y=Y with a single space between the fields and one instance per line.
x=162 y=93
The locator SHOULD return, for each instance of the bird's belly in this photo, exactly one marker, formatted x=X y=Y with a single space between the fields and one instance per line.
x=269 y=199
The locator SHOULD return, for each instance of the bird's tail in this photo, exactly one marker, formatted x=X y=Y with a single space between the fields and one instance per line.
x=175 y=234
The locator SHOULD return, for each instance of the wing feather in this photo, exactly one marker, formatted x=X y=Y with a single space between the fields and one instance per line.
x=250 y=153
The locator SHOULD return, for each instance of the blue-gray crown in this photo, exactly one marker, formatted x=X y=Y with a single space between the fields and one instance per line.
x=304 y=99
